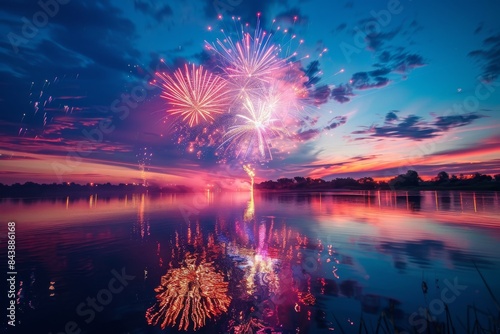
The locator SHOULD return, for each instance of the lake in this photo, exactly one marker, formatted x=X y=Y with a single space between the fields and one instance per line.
x=265 y=262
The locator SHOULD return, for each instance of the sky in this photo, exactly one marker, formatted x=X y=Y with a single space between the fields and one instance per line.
x=393 y=85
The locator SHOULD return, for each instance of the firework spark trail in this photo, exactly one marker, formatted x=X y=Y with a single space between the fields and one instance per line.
x=195 y=94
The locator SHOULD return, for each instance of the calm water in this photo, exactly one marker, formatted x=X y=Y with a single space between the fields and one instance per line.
x=230 y=263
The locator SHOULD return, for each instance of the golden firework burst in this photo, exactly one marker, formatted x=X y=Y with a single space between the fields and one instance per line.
x=189 y=295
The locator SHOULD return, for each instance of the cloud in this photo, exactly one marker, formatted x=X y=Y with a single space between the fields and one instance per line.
x=379 y=72
x=312 y=71
x=336 y=122
x=341 y=27
x=391 y=116
x=159 y=13
x=292 y=16
x=348 y=162
x=479 y=28
x=487 y=146
x=320 y=95
x=414 y=127
x=363 y=80
x=489 y=58
x=307 y=134
x=377 y=40
x=455 y=121
x=342 y=93
x=400 y=61
x=397 y=60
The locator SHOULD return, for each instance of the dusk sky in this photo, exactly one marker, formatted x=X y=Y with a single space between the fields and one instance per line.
x=403 y=85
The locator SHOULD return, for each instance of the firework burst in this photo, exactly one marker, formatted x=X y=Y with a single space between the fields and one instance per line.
x=251 y=58
x=254 y=130
x=261 y=96
x=189 y=296
x=194 y=94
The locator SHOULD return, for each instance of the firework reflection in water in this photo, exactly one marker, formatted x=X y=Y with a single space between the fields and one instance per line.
x=189 y=295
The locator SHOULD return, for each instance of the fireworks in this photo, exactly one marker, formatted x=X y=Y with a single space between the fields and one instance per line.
x=189 y=295
x=257 y=100
x=256 y=129
x=195 y=94
x=251 y=59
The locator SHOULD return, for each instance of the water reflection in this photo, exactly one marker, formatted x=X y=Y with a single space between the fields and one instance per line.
x=243 y=263
x=189 y=295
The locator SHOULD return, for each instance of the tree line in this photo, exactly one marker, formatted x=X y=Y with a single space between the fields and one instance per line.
x=32 y=189
x=409 y=180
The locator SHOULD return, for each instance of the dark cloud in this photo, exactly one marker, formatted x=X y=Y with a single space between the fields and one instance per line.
x=479 y=28
x=396 y=62
x=346 y=162
x=377 y=40
x=292 y=16
x=489 y=58
x=362 y=80
x=379 y=72
x=414 y=127
x=312 y=71
x=410 y=127
x=159 y=13
x=307 y=134
x=391 y=116
x=400 y=61
x=455 y=121
x=341 y=27
x=390 y=58
x=336 y=122
x=320 y=95
x=342 y=93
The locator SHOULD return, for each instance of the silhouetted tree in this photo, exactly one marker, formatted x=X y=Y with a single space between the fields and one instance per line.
x=367 y=183
x=300 y=179
x=478 y=177
x=410 y=179
x=442 y=177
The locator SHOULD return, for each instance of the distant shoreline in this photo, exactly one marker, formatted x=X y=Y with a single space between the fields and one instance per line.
x=117 y=193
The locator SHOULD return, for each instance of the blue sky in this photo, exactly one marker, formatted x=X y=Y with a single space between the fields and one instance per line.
x=404 y=85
